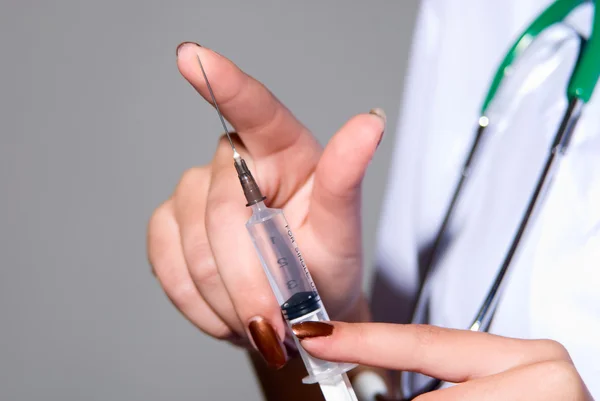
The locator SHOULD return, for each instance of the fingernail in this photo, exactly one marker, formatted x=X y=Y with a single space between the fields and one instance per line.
x=183 y=44
x=267 y=342
x=312 y=329
x=381 y=114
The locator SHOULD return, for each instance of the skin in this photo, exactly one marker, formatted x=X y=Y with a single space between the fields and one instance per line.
x=190 y=237
x=487 y=367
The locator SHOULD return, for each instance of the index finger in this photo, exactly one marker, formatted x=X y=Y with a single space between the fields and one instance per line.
x=264 y=124
x=451 y=355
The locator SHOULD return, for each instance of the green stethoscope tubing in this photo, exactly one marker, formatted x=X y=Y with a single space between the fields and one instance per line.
x=587 y=70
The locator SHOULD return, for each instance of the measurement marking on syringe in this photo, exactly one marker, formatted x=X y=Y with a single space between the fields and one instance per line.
x=300 y=258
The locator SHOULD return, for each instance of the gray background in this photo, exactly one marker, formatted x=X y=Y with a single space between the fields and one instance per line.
x=96 y=125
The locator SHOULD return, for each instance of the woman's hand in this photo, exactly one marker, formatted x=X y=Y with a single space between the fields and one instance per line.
x=198 y=245
x=488 y=367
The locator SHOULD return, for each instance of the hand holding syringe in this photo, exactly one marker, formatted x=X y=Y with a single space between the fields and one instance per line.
x=288 y=275
x=207 y=265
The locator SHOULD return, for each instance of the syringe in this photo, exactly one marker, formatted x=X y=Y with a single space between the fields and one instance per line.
x=288 y=275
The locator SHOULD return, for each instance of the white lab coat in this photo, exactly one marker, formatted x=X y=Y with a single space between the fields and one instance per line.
x=554 y=289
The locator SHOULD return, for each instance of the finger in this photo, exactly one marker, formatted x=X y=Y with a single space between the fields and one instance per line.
x=450 y=355
x=334 y=211
x=166 y=257
x=548 y=381
x=265 y=125
x=238 y=264
x=190 y=210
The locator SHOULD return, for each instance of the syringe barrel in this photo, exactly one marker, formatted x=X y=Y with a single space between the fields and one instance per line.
x=290 y=281
x=282 y=261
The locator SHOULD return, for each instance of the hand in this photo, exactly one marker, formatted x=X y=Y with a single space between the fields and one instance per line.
x=198 y=245
x=488 y=367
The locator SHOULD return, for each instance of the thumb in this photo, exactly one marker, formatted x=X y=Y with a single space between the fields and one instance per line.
x=334 y=213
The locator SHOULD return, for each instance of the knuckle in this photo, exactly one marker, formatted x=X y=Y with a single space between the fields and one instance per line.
x=238 y=81
x=205 y=274
x=564 y=376
x=220 y=211
x=565 y=371
x=181 y=294
x=195 y=243
x=553 y=350
x=221 y=184
x=192 y=178
x=159 y=216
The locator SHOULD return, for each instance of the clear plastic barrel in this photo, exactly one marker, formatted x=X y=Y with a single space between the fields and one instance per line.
x=282 y=260
x=291 y=281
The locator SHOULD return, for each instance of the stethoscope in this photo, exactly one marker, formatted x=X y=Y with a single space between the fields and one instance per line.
x=579 y=91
